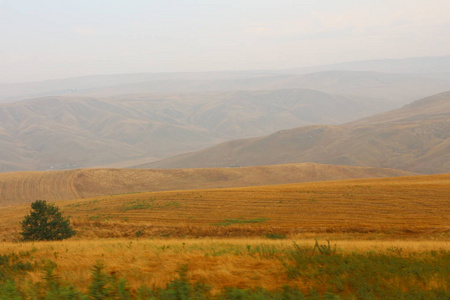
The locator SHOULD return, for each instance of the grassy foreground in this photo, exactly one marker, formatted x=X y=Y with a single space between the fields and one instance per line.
x=389 y=239
x=225 y=269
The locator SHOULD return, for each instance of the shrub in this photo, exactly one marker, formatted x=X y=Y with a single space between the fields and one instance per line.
x=45 y=223
x=275 y=236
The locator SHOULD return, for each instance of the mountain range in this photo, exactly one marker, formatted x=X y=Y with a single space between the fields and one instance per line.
x=415 y=138
x=135 y=119
x=395 y=79
x=72 y=132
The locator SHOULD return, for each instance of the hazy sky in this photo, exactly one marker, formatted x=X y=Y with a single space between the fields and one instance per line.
x=45 y=39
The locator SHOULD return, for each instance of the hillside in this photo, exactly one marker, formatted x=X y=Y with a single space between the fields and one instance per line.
x=414 y=138
x=74 y=132
x=402 y=206
x=25 y=187
x=397 y=89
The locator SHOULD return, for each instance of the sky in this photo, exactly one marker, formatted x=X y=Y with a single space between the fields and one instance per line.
x=50 y=39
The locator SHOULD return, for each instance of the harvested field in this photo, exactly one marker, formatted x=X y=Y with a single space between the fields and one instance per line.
x=26 y=187
x=398 y=207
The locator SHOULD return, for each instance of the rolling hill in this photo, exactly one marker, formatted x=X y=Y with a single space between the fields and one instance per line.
x=131 y=119
x=399 y=207
x=25 y=187
x=74 y=132
x=413 y=138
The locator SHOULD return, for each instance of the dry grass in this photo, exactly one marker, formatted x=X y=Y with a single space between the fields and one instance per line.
x=19 y=187
x=26 y=187
x=394 y=215
x=217 y=262
x=404 y=207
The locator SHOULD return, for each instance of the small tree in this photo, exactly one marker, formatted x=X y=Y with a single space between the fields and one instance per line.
x=45 y=223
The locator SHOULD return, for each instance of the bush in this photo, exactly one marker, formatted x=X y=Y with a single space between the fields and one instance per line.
x=45 y=223
x=275 y=236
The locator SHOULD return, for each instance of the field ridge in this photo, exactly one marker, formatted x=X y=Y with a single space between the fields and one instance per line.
x=26 y=187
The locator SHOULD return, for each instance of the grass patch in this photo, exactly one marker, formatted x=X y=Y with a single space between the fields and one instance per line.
x=100 y=218
x=138 y=204
x=229 y=222
x=172 y=203
x=275 y=236
x=83 y=203
x=371 y=275
x=147 y=204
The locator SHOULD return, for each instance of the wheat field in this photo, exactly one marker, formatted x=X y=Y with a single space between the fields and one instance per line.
x=403 y=206
x=244 y=237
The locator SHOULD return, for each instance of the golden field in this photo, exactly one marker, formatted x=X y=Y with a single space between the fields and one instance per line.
x=250 y=237
x=399 y=207
x=220 y=263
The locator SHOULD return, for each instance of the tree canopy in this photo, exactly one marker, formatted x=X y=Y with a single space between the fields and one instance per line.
x=45 y=223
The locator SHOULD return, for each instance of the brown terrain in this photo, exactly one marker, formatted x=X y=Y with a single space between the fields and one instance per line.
x=76 y=132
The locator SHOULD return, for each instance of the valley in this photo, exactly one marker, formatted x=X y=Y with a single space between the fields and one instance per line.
x=225 y=150
x=413 y=138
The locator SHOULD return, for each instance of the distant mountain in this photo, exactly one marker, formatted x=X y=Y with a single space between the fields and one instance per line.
x=397 y=89
x=394 y=89
x=437 y=66
x=61 y=133
x=397 y=79
x=414 y=138
x=25 y=187
x=73 y=132
x=130 y=119
x=164 y=82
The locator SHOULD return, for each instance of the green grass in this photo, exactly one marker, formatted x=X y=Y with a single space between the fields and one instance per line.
x=147 y=204
x=323 y=269
x=371 y=275
x=138 y=204
x=229 y=222
x=275 y=236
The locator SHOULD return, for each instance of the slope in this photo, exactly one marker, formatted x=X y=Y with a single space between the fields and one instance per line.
x=414 y=138
x=402 y=206
x=25 y=187
x=73 y=132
